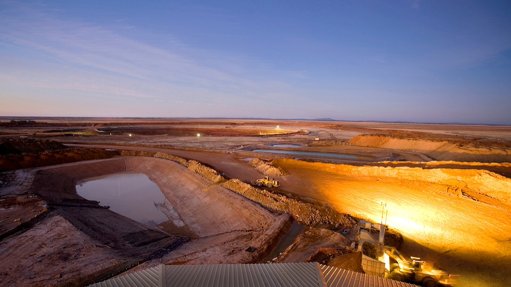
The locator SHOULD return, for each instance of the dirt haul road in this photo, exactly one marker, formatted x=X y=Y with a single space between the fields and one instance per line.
x=459 y=219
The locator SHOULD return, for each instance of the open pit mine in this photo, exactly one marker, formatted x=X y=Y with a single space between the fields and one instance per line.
x=113 y=202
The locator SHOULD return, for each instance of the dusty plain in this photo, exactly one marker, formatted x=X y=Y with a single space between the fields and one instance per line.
x=447 y=188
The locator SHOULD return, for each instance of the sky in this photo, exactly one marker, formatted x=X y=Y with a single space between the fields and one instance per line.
x=410 y=60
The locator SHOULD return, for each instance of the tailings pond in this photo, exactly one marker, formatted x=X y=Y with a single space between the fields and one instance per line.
x=135 y=196
x=286 y=145
x=306 y=154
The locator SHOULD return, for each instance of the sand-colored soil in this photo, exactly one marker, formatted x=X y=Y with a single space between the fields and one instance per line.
x=368 y=141
x=206 y=208
x=503 y=169
x=17 y=211
x=237 y=246
x=265 y=168
x=223 y=224
x=446 y=186
x=310 y=242
x=54 y=253
x=462 y=217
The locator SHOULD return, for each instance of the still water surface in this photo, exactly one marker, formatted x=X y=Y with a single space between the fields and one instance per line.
x=135 y=196
x=304 y=154
x=286 y=145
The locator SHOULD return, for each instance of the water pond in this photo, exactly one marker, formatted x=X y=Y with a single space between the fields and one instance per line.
x=135 y=196
x=305 y=154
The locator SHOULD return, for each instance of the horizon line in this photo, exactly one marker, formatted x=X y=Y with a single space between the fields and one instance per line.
x=255 y=118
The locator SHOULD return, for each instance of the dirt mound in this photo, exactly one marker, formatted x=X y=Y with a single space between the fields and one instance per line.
x=266 y=168
x=303 y=212
x=205 y=171
x=310 y=242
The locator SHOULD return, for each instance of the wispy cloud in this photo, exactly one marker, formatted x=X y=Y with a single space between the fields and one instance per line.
x=87 y=58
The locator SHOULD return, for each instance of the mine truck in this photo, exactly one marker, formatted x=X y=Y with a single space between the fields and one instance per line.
x=267 y=182
x=413 y=270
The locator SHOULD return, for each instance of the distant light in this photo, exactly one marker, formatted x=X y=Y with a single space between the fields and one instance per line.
x=316 y=139
x=277 y=127
x=130 y=135
x=198 y=135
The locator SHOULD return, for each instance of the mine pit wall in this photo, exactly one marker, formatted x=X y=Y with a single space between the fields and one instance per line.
x=302 y=212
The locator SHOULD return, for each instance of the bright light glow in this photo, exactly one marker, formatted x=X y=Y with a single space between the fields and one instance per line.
x=198 y=135
x=386 y=260
x=130 y=135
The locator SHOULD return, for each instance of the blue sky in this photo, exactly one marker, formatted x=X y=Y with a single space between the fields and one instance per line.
x=411 y=60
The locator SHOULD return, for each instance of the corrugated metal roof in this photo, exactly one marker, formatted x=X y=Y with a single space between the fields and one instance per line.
x=249 y=275
x=149 y=277
x=337 y=277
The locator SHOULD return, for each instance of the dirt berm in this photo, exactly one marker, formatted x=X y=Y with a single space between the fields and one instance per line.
x=266 y=168
x=303 y=212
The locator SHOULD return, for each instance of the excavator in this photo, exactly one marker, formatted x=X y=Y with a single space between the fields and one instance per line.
x=414 y=270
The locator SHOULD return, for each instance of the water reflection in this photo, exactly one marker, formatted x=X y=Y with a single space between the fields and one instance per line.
x=135 y=196
x=304 y=154
x=286 y=145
